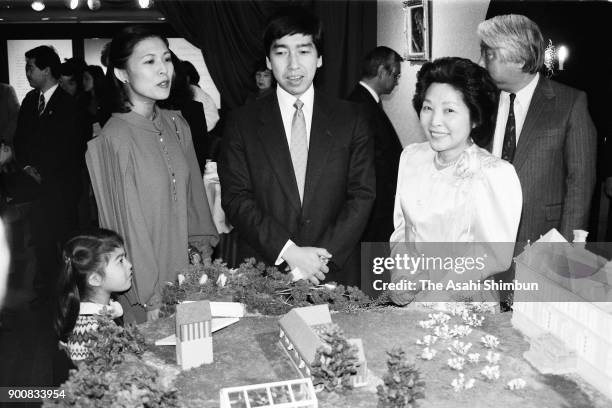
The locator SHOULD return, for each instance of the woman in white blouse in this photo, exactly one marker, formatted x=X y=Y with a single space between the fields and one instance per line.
x=449 y=188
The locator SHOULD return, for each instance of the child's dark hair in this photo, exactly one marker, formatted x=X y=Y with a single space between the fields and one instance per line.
x=83 y=255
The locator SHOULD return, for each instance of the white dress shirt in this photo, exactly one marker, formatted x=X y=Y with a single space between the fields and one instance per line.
x=521 y=106
x=285 y=103
x=48 y=94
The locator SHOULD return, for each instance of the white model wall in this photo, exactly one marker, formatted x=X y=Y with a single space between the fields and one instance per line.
x=453 y=28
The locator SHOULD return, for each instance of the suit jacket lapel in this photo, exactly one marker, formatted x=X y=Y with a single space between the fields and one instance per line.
x=539 y=101
x=320 y=144
x=274 y=141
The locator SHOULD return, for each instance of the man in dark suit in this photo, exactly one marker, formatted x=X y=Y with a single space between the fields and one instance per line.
x=543 y=128
x=380 y=72
x=49 y=145
x=297 y=167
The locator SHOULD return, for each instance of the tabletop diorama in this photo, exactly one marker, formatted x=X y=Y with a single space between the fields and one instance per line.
x=290 y=344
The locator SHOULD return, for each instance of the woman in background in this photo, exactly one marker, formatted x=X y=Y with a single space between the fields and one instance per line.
x=95 y=95
x=145 y=174
x=264 y=81
x=450 y=189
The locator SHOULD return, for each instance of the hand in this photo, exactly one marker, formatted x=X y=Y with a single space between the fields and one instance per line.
x=401 y=297
x=202 y=244
x=32 y=172
x=608 y=186
x=152 y=315
x=311 y=261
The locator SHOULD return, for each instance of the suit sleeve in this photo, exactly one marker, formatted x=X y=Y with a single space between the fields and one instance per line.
x=580 y=160
x=343 y=235
x=263 y=232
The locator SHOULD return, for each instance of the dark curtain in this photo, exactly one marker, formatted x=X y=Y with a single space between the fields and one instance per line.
x=230 y=35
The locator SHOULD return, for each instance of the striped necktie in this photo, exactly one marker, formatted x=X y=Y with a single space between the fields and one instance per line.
x=509 y=146
x=41 y=104
x=299 y=146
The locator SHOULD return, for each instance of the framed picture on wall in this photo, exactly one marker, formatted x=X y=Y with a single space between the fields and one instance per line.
x=417 y=30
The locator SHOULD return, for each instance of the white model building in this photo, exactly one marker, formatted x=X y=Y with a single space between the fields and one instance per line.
x=299 y=338
x=194 y=345
x=569 y=319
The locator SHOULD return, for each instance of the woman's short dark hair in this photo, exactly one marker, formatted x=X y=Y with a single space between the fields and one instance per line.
x=119 y=51
x=290 y=21
x=191 y=72
x=475 y=85
x=180 y=91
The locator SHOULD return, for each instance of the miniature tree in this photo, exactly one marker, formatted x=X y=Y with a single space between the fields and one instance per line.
x=402 y=383
x=335 y=362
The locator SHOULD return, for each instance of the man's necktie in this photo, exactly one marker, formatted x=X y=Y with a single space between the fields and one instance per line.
x=509 y=146
x=41 y=104
x=299 y=146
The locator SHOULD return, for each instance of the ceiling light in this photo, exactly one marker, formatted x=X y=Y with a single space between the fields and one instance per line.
x=144 y=3
x=93 y=4
x=38 y=5
x=73 y=4
x=562 y=53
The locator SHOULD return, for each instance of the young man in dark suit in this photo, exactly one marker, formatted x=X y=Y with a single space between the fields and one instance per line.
x=543 y=128
x=49 y=145
x=380 y=73
x=297 y=167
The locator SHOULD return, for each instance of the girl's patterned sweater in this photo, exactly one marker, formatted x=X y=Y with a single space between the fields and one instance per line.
x=86 y=326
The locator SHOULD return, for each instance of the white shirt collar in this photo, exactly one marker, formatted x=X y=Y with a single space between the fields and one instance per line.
x=285 y=103
x=371 y=91
x=286 y=99
x=89 y=308
x=523 y=96
x=521 y=107
x=48 y=93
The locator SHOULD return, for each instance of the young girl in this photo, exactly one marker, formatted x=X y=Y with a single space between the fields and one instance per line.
x=95 y=266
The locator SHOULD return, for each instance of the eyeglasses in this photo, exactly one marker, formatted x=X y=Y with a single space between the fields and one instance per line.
x=395 y=75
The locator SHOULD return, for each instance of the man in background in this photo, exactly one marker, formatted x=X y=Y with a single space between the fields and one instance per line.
x=48 y=150
x=543 y=128
x=380 y=73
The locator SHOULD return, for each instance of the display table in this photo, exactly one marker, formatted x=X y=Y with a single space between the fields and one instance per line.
x=248 y=352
